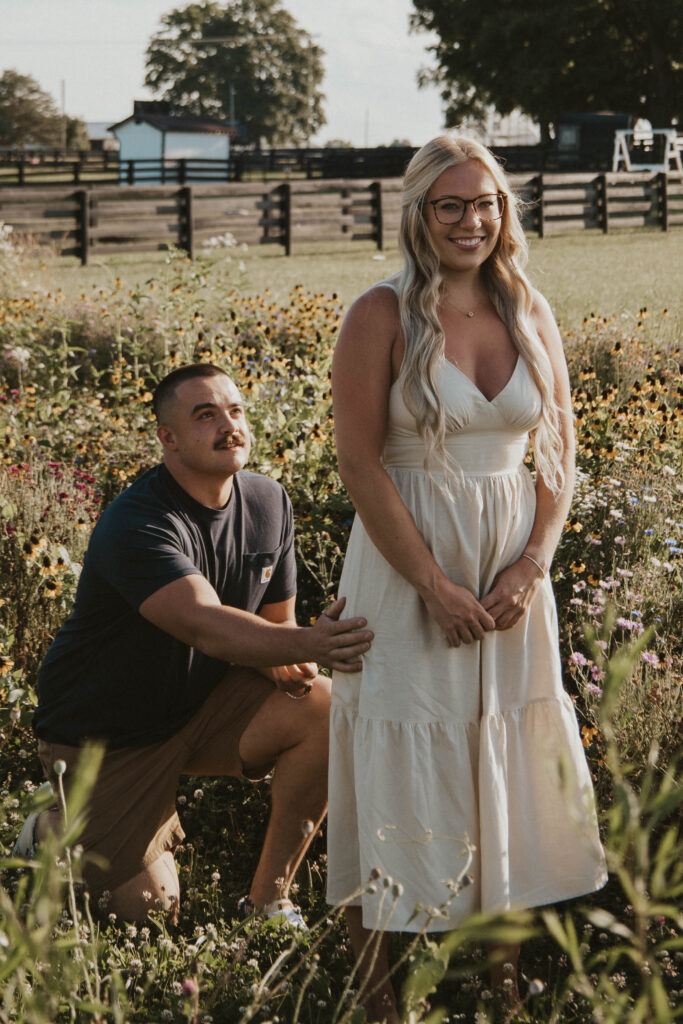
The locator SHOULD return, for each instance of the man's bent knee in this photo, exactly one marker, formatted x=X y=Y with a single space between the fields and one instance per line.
x=154 y=888
x=282 y=723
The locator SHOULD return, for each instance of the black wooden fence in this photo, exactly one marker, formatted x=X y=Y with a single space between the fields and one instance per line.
x=21 y=169
x=104 y=220
x=104 y=167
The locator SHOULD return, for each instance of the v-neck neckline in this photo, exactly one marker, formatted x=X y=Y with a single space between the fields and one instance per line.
x=490 y=401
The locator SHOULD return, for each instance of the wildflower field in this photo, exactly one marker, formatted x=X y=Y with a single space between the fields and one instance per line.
x=77 y=369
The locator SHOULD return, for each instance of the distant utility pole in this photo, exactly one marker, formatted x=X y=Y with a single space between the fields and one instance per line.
x=232 y=104
x=63 y=115
x=309 y=88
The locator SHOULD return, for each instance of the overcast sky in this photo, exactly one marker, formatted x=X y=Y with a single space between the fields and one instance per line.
x=96 y=48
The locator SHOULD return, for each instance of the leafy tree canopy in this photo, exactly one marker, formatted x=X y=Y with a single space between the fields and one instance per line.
x=556 y=56
x=76 y=133
x=28 y=115
x=261 y=64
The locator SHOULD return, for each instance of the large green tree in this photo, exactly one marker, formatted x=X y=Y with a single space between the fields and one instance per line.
x=549 y=56
x=262 y=66
x=28 y=115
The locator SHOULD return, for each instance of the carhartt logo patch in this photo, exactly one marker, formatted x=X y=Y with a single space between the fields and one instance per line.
x=266 y=573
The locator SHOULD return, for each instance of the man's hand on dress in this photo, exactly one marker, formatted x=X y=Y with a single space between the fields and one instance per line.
x=456 y=609
x=338 y=643
x=512 y=592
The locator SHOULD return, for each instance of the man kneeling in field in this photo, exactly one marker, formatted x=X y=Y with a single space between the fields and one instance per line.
x=183 y=655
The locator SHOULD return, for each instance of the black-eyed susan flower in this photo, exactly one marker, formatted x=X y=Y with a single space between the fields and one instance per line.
x=52 y=589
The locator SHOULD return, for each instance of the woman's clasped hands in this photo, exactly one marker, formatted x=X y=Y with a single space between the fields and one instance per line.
x=456 y=609
x=465 y=619
x=512 y=592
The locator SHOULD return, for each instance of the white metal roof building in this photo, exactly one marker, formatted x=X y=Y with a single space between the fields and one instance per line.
x=154 y=133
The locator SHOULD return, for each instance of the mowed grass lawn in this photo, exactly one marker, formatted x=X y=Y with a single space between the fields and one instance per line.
x=579 y=273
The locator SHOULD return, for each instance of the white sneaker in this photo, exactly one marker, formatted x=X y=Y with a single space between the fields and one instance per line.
x=280 y=912
x=283 y=912
x=27 y=840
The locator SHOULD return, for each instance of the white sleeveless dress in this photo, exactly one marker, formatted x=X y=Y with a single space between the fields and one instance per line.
x=431 y=744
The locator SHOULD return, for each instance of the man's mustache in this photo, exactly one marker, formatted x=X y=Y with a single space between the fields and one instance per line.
x=230 y=440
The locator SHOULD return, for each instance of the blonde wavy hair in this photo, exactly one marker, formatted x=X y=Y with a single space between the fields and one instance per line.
x=419 y=288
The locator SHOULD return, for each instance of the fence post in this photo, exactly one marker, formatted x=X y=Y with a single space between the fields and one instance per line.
x=602 y=202
x=376 y=196
x=78 y=166
x=345 y=200
x=182 y=171
x=22 y=170
x=186 y=220
x=662 y=199
x=84 y=223
x=131 y=172
x=285 y=191
x=538 y=198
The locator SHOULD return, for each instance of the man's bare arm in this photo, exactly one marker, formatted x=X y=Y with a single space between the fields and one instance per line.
x=190 y=610
x=290 y=678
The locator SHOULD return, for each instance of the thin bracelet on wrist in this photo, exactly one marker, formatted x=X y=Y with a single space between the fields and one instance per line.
x=537 y=564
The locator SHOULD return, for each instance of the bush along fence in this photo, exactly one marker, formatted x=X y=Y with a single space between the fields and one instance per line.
x=88 y=222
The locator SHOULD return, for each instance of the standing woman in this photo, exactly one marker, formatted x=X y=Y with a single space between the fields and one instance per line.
x=458 y=726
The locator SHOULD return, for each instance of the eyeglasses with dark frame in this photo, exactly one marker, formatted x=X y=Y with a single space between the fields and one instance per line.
x=452 y=209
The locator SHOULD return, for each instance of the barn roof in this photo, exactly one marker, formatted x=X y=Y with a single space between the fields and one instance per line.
x=159 y=114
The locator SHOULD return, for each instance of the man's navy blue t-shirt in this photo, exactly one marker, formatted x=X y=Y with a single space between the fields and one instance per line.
x=110 y=674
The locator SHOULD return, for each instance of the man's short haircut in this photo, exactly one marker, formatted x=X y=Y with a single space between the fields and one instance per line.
x=165 y=389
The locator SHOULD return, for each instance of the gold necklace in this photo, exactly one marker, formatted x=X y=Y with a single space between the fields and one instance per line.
x=468 y=313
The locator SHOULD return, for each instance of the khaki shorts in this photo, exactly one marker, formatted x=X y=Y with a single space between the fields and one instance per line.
x=132 y=816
